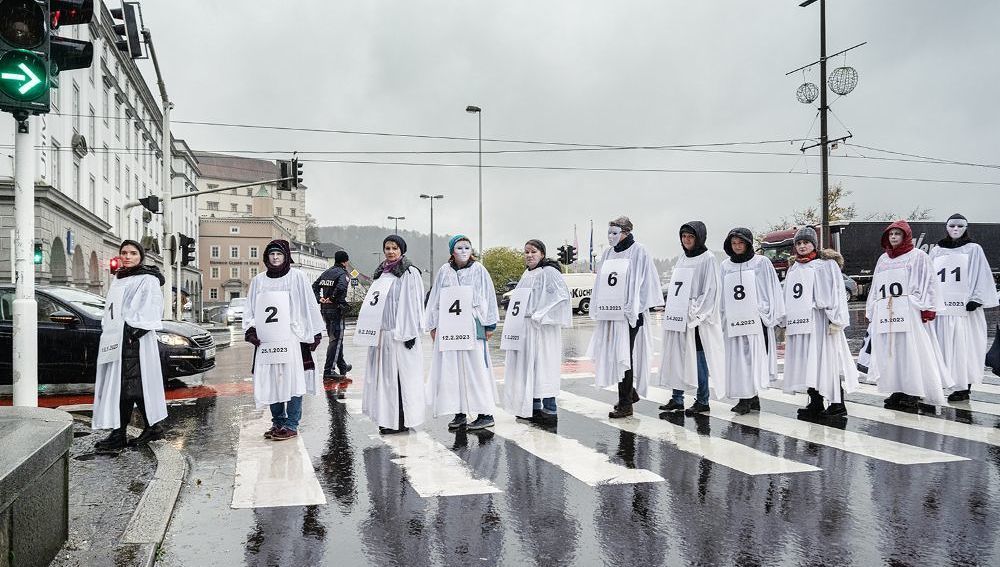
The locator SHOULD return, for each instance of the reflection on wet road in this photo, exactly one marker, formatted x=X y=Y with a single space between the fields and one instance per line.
x=882 y=488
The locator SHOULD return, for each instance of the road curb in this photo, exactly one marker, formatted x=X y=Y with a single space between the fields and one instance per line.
x=147 y=527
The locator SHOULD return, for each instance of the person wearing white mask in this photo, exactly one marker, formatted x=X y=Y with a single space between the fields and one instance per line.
x=534 y=354
x=461 y=315
x=627 y=287
x=752 y=304
x=966 y=280
x=283 y=322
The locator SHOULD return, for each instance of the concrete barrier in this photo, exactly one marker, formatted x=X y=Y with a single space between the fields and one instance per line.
x=34 y=484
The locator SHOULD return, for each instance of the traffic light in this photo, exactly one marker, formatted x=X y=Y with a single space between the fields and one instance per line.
x=563 y=254
x=114 y=264
x=129 y=32
x=187 y=249
x=571 y=253
x=151 y=203
x=296 y=173
x=66 y=54
x=24 y=57
x=39 y=254
x=284 y=170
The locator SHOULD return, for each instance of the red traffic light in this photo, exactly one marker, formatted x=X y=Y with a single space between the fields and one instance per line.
x=114 y=264
x=70 y=12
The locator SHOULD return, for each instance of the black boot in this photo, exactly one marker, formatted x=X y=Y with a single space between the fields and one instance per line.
x=149 y=432
x=836 y=409
x=892 y=402
x=960 y=395
x=114 y=441
x=743 y=407
x=755 y=403
x=814 y=407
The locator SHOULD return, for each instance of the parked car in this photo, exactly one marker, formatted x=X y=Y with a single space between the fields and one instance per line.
x=69 y=330
x=580 y=285
x=235 y=311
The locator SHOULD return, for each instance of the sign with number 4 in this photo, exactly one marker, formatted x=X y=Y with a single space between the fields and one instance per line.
x=456 y=326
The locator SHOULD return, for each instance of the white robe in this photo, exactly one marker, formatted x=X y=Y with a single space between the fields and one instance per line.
x=679 y=366
x=750 y=364
x=818 y=359
x=535 y=370
x=273 y=383
x=462 y=381
x=609 y=345
x=392 y=368
x=963 y=339
x=142 y=308
x=909 y=362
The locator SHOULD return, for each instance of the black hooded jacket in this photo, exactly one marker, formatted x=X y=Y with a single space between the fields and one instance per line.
x=743 y=234
x=697 y=228
x=332 y=284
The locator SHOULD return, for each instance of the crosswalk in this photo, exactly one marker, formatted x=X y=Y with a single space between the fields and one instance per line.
x=434 y=469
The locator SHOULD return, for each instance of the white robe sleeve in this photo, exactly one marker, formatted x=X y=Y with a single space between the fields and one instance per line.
x=830 y=295
x=870 y=302
x=649 y=292
x=486 y=296
x=431 y=312
x=925 y=294
x=309 y=320
x=770 y=296
x=598 y=285
x=146 y=305
x=552 y=306
x=249 y=307
x=984 y=290
x=706 y=304
x=408 y=309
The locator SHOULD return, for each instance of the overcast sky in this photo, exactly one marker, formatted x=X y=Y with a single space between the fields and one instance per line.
x=617 y=73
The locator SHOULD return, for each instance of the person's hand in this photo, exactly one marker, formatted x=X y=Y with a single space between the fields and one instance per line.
x=251 y=336
x=489 y=335
x=927 y=316
x=433 y=334
x=409 y=344
x=325 y=300
x=316 y=341
x=972 y=306
x=833 y=329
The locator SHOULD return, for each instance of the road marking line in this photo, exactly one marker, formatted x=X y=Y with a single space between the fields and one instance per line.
x=576 y=459
x=272 y=473
x=722 y=451
x=850 y=441
x=940 y=426
x=431 y=468
x=972 y=405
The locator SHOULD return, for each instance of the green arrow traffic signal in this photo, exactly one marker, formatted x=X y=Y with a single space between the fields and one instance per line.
x=23 y=75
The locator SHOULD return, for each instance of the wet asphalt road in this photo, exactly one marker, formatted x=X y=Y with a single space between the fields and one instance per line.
x=855 y=510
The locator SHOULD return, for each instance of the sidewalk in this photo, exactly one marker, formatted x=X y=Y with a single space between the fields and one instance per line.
x=119 y=502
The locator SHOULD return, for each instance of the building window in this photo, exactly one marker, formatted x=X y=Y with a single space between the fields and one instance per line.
x=77 y=187
x=234 y=251
x=234 y=272
x=213 y=293
x=118 y=219
x=104 y=106
x=128 y=186
x=105 y=161
x=292 y=196
x=254 y=252
x=293 y=212
x=76 y=108
x=215 y=272
x=213 y=205
x=254 y=271
x=137 y=188
x=249 y=191
x=234 y=230
x=118 y=121
x=93 y=128
x=92 y=198
x=250 y=209
x=214 y=252
x=277 y=211
x=213 y=186
x=55 y=163
x=118 y=173
x=233 y=207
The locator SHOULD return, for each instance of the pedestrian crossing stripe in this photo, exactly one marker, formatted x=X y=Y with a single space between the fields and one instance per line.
x=970 y=405
x=849 y=441
x=431 y=468
x=722 y=451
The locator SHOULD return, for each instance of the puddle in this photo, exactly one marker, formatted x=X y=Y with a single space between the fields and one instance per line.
x=97 y=455
x=78 y=434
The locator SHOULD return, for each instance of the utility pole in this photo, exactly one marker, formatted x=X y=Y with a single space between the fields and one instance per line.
x=25 y=307
x=431 y=198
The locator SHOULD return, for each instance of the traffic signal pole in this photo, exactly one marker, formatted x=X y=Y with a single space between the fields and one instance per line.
x=25 y=308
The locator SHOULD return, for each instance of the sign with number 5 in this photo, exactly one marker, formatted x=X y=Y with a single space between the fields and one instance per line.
x=512 y=337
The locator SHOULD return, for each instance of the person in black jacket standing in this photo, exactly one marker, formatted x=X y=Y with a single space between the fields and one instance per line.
x=331 y=292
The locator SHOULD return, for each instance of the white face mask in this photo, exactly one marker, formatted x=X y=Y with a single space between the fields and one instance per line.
x=956 y=228
x=614 y=235
x=463 y=251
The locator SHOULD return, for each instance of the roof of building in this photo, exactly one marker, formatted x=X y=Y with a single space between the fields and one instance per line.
x=235 y=168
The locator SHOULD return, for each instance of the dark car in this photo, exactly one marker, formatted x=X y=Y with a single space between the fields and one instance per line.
x=69 y=330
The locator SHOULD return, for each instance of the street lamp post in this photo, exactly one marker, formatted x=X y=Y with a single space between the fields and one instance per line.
x=479 y=114
x=396 y=219
x=432 y=197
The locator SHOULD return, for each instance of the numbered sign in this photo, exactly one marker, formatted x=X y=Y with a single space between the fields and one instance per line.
x=369 y=326
x=952 y=273
x=799 y=302
x=892 y=307
x=513 y=323
x=609 y=303
x=456 y=325
x=675 y=314
x=276 y=352
x=739 y=295
x=272 y=316
x=112 y=326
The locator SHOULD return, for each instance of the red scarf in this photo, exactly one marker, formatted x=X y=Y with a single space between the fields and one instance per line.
x=807 y=258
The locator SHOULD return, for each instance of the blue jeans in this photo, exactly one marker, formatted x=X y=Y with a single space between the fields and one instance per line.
x=702 y=396
x=287 y=414
x=547 y=405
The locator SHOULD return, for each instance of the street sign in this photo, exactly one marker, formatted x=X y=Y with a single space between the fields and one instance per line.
x=23 y=75
x=355 y=274
x=354 y=282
